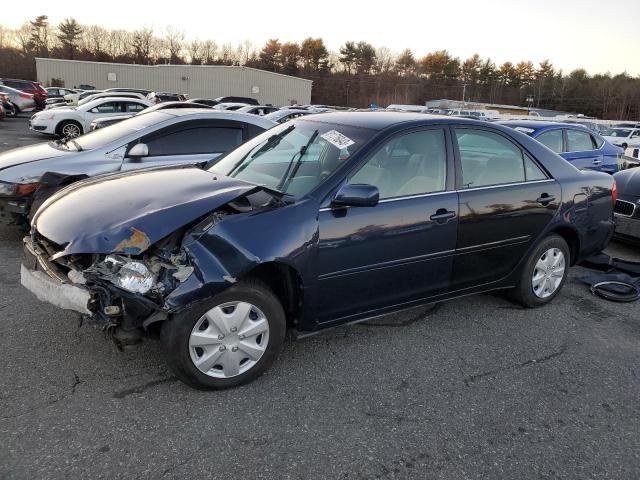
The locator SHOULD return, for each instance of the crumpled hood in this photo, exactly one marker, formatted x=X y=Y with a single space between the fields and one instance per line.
x=128 y=212
x=628 y=181
x=28 y=154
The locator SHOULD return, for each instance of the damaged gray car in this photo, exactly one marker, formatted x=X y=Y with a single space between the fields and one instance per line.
x=327 y=219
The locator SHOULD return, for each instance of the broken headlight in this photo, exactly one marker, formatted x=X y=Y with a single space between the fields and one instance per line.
x=133 y=276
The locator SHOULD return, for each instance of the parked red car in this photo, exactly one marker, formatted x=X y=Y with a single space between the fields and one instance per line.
x=27 y=86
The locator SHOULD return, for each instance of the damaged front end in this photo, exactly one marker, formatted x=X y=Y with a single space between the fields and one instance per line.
x=133 y=286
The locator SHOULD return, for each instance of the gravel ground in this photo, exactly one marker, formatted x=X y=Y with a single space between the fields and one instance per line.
x=473 y=388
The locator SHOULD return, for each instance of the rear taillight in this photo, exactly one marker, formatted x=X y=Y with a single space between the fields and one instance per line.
x=614 y=192
x=26 y=96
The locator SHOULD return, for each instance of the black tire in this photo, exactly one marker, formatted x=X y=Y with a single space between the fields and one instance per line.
x=177 y=330
x=523 y=293
x=624 y=146
x=12 y=111
x=65 y=123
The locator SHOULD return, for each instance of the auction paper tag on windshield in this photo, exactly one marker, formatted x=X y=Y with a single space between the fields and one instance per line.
x=337 y=139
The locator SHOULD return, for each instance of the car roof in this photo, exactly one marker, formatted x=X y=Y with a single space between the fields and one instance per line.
x=218 y=114
x=383 y=120
x=539 y=125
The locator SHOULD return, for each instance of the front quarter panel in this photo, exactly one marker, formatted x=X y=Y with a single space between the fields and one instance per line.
x=230 y=249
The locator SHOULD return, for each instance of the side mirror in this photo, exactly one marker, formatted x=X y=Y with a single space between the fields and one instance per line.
x=356 y=196
x=139 y=150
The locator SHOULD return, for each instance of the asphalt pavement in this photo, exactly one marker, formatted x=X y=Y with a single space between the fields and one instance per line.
x=476 y=388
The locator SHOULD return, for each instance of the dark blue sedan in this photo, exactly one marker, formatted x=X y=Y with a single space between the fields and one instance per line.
x=325 y=220
x=573 y=142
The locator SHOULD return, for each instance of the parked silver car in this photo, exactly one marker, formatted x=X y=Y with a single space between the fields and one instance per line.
x=22 y=100
x=29 y=175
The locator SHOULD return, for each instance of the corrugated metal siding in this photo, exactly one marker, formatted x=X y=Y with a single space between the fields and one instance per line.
x=206 y=81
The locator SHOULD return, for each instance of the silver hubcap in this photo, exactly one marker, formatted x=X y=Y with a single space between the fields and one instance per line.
x=229 y=339
x=548 y=273
x=71 y=131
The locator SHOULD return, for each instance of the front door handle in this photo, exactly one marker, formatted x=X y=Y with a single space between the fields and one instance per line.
x=442 y=216
x=545 y=199
x=597 y=161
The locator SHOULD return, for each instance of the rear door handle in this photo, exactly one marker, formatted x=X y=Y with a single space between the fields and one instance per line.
x=442 y=215
x=545 y=199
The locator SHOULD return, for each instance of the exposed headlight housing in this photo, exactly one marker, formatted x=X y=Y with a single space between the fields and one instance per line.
x=17 y=189
x=134 y=277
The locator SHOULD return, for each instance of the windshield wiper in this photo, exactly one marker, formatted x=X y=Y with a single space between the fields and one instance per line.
x=290 y=173
x=271 y=142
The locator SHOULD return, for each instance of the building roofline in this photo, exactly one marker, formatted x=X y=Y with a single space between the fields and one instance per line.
x=172 y=65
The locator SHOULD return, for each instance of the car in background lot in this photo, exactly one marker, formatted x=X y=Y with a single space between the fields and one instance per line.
x=229 y=106
x=20 y=101
x=105 y=122
x=96 y=96
x=203 y=101
x=2 y=112
x=84 y=86
x=7 y=106
x=73 y=98
x=624 y=137
x=575 y=143
x=27 y=86
x=72 y=122
x=319 y=222
x=627 y=207
x=235 y=99
x=284 y=115
x=166 y=137
x=141 y=91
x=159 y=97
x=58 y=92
x=257 y=109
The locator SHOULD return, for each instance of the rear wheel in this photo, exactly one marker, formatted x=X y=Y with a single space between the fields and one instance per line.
x=544 y=273
x=69 y=129
x=228 y=340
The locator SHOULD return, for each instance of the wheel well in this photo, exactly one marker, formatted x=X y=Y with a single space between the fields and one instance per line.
x=286 y=284
x=571 y=237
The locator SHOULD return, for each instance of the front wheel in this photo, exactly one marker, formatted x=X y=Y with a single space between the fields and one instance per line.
x=69 y=129
x=544 y=273
x=228 y=340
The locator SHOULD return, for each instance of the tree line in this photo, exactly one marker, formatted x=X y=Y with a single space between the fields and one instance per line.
x=358 y=74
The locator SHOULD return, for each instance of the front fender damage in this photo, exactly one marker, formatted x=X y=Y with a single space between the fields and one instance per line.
x=139 y=283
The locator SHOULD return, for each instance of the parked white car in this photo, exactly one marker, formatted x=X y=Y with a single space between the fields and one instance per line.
x=230 y=106
x=74 y=121
x=624 y=137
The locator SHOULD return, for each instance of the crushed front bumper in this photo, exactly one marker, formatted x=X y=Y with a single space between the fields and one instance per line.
x=63 y=295
x=41 y=278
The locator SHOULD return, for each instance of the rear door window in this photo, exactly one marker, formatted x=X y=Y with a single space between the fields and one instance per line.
x=552 y=139
x=109 y=107
x=194 y=141
x=488 y=159
x=578 y=141
x=134 y=107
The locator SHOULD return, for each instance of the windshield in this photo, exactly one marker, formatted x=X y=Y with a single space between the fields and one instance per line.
x=295 y=157
x=106 y=135
x=620 y=133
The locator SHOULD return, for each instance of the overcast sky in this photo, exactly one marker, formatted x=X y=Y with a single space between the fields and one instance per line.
x=596 y=35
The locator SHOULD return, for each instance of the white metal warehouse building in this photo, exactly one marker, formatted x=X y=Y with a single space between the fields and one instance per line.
x=198 y=81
